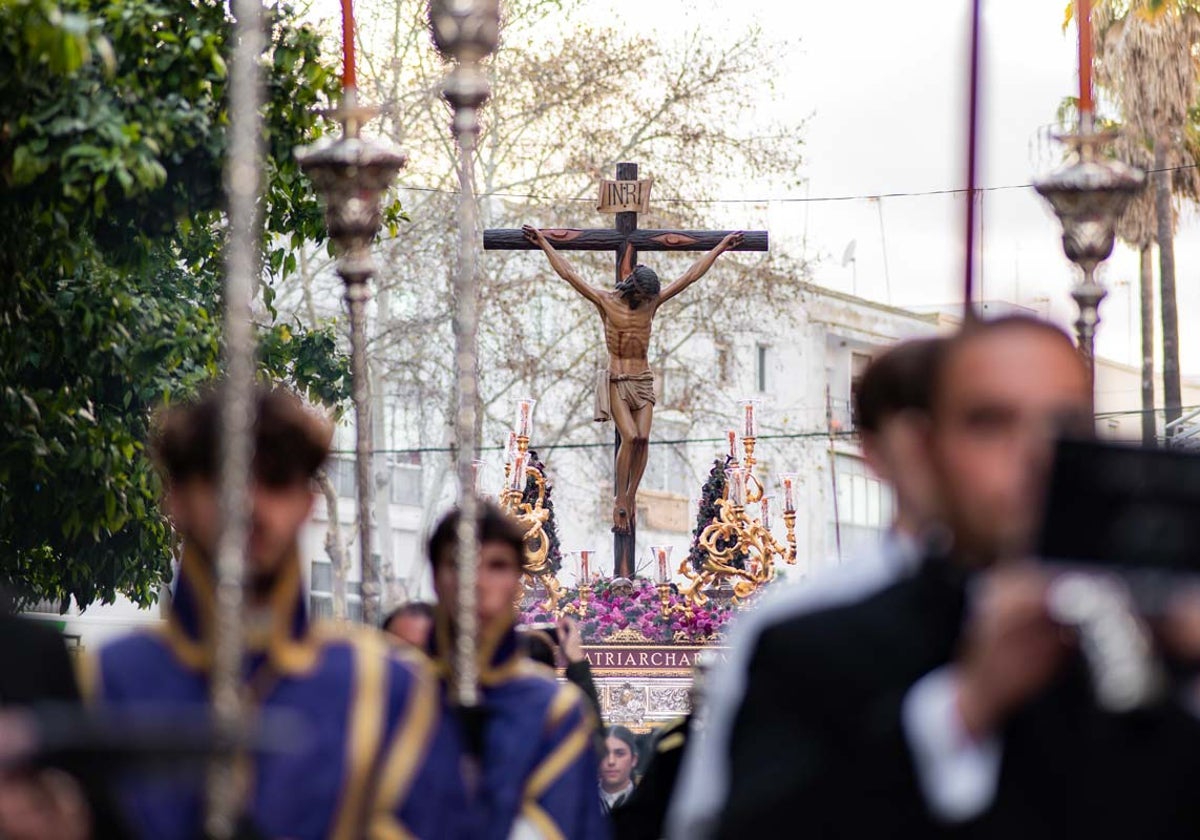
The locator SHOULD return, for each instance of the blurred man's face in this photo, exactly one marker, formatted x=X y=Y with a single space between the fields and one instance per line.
x=497 y=582
x=617 y=768
x=412 y=629
x=277 y=514
x=1004 y=398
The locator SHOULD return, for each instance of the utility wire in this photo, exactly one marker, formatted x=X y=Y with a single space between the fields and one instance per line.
x=775 y=200
x=600 y=445
x=842 y=435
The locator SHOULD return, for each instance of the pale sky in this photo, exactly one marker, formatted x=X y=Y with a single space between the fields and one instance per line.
x=884 y=84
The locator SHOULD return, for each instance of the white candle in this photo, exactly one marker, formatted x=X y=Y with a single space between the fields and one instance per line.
x=764 y=505
x=524 y=424
x=735 y=480
x=662 y=557
x=516 y=480
x=510 y=449
x=732 y=436
x=583 y=574
x=749 y=420
x=787 y=481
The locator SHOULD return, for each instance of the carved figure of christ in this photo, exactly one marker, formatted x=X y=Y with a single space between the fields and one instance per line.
x=627 y=312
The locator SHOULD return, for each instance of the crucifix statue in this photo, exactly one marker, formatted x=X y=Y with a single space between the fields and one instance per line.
x=625 y=388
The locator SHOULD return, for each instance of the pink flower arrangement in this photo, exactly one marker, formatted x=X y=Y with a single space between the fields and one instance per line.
x=609 y=611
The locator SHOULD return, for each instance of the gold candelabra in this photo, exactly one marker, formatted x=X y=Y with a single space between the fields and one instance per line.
x=734 y=534
x=532 y=515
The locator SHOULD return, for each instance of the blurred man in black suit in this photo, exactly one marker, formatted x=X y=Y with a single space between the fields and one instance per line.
x=950 y=702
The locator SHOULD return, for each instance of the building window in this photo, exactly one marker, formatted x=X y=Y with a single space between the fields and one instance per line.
x=858 y=366
x=864 y=506
x=320 y=593
x=406 y=485
x=341 y=474
x=760 y=368
x=667 y=469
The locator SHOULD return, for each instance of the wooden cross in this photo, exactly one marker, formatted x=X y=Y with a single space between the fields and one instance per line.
x=625 y=240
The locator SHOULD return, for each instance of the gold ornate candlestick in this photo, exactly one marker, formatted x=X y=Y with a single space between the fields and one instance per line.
x=789 y=520
x=664 y=598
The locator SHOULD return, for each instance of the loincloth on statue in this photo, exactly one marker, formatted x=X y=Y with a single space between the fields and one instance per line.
x=636 y=390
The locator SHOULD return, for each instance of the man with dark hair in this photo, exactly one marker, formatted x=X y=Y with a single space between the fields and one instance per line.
x=411 y=623
x=536 y=761
x=377 y=758
x=640 y=286
x=625 y=389
x=892 y=418
x=949 y=702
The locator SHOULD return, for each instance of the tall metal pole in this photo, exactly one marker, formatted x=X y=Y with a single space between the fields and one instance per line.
x=357 y=295
x=972 y=162
x=353 y=174
x=243 y=174
x=466 y=31
x=466 y=323
x=1088 y=195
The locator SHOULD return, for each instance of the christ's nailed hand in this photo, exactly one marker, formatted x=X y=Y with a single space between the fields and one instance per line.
x=733 y=240
x=533 y=235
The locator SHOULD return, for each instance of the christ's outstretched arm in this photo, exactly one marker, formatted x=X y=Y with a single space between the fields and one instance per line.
x=701 y=266
x=561 y=267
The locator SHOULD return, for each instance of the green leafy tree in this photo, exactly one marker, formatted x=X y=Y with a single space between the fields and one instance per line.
x=112 y=135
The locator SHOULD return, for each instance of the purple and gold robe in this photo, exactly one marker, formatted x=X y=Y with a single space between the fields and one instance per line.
x=538 y=768
x=378 y=758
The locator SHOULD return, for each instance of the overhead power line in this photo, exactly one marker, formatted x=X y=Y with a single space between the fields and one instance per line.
x=601 y=444
x=771 y=200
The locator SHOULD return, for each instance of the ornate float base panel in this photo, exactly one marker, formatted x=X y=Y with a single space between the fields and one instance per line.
x=644 y=686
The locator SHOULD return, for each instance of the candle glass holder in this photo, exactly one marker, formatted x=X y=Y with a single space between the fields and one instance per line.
x=787 y=486
x=661 y=557
x=735 y=487
x=750 y=418
x=524 y=424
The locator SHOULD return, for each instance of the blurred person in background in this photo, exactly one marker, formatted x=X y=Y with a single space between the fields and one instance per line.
x=411 y=623
x=891 y=415
x=951 y=702
x=532 y=746
x=616 y=770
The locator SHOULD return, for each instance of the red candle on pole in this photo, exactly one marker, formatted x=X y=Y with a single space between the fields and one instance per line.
x=348 y=78
x=1083 y=11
